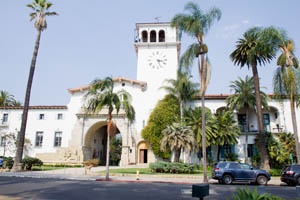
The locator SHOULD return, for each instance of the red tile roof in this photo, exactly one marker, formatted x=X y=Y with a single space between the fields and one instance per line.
x=34 y=107
x=118 y=79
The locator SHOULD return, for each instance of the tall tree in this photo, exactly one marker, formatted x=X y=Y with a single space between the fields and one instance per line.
x=286 y=82
x=244 y=98
x=197 y=24
x=178 y=136
x=226 y=129
x=256 y=47
x=182 y=88
x=40 y=9
x=102 y=95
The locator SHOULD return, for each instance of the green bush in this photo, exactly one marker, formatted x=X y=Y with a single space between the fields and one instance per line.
x=28 y=162
x=231 y=157
x=245 y=194
x=175 y=167
x=165 y=113
x=8 y=162
x=275 y=172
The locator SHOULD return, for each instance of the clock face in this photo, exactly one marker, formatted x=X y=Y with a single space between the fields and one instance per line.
x=157 y=60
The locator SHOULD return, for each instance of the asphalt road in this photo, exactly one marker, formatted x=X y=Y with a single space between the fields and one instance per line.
x=39 y=188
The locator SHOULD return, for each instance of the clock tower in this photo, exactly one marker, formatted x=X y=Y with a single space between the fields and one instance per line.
x=157 y=48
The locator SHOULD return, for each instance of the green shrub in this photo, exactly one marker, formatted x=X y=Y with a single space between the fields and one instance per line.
x=175 y=167
x=165 y=113
x=245 y=194
x=231 y=157
x=91 y=162
x=8 y=162
x=28 y=162
x=275 y=172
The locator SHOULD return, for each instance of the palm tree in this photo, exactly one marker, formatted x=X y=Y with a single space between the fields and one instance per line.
x=177 y=137
x=197 y=24
x=182 y=88
x=244 y=97
x=101 y=95
x=256 y=47
x=193 y=118
x=40 y=9
x=226 y=128
x=286 y=83
x=6 y=99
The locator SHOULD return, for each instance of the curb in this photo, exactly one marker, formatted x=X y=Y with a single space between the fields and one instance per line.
x=139 y=181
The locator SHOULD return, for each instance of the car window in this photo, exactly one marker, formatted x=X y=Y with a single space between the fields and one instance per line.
x=222 y=165
x=245 y=166
x=296 y=167
x=234 y=166
x=287 y=168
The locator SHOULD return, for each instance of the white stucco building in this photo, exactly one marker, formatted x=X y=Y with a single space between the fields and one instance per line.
x=65 y=134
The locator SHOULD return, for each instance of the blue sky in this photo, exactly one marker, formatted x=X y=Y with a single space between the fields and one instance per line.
x=94 y=38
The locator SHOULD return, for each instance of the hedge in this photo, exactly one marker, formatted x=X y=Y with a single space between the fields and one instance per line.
x=174 y=168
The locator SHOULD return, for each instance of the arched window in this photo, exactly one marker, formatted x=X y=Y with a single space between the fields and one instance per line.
x=145 y=36
x=161 y=36
x=153 y=36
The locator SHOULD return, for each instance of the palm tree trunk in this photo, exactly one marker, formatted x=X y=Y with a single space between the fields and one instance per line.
x=262 y=145
x=108 y=145
x=294 y=121
x=177 y=155
x=21 y=134
x=247 y=130
x=204 y=139
x=181 y=111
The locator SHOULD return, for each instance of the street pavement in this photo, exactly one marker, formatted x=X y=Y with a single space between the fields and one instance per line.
x=50 y=189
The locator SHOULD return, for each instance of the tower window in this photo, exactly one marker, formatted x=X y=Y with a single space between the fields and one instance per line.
x=161 y=36
x=144 y=36
x=153 y=36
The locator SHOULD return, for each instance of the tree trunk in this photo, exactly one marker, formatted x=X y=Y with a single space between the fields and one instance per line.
x=294 y=121
x=262 y=145
x=177 y=155
x=181 y=111
x=247 y=131
x=21 y=134
x=108 y=145
x=204 y=139
x=218 y=154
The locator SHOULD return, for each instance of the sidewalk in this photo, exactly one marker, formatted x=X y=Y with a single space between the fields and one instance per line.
x=79 y=174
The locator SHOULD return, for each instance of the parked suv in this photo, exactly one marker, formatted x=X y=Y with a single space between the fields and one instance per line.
x=291 y=174
x=227 y=172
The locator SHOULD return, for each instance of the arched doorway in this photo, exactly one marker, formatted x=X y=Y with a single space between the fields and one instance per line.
x=143 y=152
x=95 y=142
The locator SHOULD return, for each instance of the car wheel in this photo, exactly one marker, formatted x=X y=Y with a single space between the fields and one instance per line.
x=227 y=179
x=262 y=180
x=298 y=181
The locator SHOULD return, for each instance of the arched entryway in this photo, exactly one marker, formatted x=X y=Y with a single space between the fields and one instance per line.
x=143 y=152
x=95 y=142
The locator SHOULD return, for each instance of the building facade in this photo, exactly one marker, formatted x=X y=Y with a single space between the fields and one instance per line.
x=66 y=134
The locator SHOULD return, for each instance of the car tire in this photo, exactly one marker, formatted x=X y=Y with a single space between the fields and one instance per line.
x=298 y=181
x=262 y=180
x=227 y=179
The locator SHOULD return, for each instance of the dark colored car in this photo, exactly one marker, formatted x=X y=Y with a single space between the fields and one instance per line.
x=1 y=162
x=227 y=172
x=291 y=174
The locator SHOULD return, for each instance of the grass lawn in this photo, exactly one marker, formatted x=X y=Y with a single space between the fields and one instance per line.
x=148 y=171
x=46 y=168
